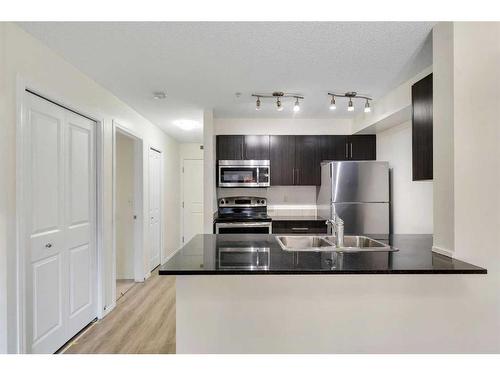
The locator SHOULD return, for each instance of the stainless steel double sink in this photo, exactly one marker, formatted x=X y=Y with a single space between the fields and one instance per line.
x=352 y=244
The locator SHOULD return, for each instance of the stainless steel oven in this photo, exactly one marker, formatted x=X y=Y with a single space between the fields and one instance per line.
x=244 y=258
x=243 y=227
x=244 y=173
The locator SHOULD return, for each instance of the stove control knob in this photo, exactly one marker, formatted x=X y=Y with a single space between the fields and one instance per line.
x=222 y=201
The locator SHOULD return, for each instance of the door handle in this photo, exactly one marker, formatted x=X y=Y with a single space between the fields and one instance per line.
x=48 y=245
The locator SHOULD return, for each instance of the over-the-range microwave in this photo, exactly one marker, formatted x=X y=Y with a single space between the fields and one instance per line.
x=244 y=173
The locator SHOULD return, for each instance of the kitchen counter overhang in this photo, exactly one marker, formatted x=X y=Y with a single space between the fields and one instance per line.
x=210 y=254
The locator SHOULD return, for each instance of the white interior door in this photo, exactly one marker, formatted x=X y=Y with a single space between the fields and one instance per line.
x=192 y=198
x=155 y=207
x=60 y=199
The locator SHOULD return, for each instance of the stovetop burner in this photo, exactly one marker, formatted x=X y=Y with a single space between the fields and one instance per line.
x=242 y=209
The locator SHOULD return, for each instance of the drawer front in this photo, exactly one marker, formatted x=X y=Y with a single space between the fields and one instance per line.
x=299 y=227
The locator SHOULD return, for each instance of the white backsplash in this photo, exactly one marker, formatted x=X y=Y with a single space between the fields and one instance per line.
x=281 y=200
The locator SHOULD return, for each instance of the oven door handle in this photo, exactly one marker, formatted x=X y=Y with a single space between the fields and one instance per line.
x=243 y=225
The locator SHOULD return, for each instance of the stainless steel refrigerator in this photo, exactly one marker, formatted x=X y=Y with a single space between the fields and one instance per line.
x=358 y=191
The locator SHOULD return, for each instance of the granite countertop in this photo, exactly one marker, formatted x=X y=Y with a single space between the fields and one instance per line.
x=224 y=254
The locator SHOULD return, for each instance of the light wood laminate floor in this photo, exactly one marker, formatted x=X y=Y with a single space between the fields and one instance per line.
x=142 y=322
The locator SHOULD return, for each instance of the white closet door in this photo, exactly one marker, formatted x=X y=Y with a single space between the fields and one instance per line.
x=59 y=180
x=155 y=207
x=80 y=221
x=44 y=222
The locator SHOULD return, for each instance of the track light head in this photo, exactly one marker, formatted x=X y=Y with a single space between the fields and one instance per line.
x=257 y=104
x=367 y=106
x=333 y=105
x=296 y=106
x=279 y=106
x=350 y=107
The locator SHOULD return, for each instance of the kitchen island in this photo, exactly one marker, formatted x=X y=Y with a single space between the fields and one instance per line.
x=243 y=294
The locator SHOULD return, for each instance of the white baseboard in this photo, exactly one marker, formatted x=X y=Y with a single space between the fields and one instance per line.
x=108 y=309
x=443 y=251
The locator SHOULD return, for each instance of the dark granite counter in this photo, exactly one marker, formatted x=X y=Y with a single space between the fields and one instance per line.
x=261 y=254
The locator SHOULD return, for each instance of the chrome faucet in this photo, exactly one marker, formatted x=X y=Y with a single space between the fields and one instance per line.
x=337 y=229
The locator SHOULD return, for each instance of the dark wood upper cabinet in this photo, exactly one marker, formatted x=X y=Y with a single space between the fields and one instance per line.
x=307 y=160
x=296 y=159
x=256 y=147
x=282 y=156
x=421 y=98
x=242 y=147
x=362 y=147
x=230 y=147
x=333 y=147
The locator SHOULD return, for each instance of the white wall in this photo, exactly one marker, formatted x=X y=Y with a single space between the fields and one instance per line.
x=209 y=196
x=477 y=152
x=443 y=137
x=281 y=126
x=411 y=200
x=124 y=209
x=6 y=135
x=25 y=57
x=187 y=151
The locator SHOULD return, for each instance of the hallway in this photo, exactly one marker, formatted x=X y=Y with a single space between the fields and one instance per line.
x=143 y=322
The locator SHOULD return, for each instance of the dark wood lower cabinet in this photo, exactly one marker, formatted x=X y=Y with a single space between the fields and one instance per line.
x=299 y=227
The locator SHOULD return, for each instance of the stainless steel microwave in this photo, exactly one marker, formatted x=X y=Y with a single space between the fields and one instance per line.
x=244 y=173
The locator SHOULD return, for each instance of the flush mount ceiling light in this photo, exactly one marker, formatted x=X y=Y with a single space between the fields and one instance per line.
x=159 y=95
x=187 y=124
x=351 y=95
x=278 y=95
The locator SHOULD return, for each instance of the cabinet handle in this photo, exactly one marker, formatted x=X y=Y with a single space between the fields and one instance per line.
x=300 y=229
x=293 y=176
x=351 y=149
x=242 y=152
x=346 y=151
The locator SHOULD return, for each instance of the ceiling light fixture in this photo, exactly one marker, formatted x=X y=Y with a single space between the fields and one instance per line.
x=351 y=95
x=187 y=124
x=159 y=95
x=279 y=97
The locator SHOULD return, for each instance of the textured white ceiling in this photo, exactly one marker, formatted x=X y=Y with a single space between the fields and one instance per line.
x=203 y=64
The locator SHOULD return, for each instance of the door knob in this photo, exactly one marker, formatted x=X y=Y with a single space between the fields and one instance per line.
x=48 y=245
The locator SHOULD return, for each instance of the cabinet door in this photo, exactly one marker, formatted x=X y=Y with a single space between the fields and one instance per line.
x=307 y=160
x=230 y=147
x=282 y=156
x=256 y=147
x=421 y=97
x=362 y=147
x=334 y=147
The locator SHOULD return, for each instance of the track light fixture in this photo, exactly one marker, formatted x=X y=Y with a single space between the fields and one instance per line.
x=351 y=95
x=279 y=96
